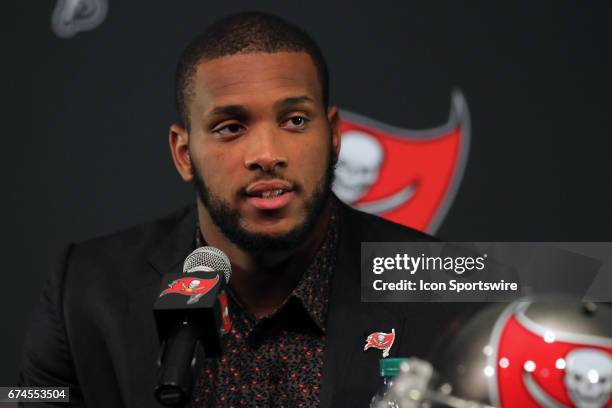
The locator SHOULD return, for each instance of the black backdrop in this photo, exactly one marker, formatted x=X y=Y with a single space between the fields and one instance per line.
x=90 y=155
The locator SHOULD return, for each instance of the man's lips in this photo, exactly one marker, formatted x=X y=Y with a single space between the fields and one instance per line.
x=272 y=203
x=259 y=187
x=269 y=194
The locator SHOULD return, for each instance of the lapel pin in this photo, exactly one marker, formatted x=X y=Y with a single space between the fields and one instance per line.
x=381 y=341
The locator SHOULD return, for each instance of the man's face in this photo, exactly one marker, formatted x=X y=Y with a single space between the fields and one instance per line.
x=262 y=147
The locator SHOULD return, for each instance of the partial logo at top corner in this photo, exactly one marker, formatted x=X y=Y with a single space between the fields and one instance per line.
x=72 y=16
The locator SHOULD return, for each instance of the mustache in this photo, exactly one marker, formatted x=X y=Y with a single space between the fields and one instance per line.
x=269 y=176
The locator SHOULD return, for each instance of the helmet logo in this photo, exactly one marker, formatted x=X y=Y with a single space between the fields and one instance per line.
x=536 y=363
x=588 y=377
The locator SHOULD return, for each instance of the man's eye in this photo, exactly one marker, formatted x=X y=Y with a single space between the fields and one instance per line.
x=230 y=129
x=296 y=122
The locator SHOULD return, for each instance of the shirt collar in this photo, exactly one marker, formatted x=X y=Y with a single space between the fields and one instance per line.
x=314 y=286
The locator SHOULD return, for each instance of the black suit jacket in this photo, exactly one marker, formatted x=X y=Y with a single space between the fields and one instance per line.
x=94 y=329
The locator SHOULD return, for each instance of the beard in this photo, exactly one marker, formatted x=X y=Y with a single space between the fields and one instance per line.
x=229 y=220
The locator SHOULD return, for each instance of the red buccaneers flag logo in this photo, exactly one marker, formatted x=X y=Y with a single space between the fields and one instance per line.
x=406 y=176
x=195 y=288
x=381 y=341
x=534 y=366
x=226 y=321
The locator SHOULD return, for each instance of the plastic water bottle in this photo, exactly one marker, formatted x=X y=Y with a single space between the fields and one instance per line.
x=389 y=368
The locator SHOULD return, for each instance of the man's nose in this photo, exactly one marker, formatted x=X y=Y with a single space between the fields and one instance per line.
x=265 y=151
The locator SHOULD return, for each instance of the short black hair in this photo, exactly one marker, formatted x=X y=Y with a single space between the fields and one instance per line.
x=241 y=33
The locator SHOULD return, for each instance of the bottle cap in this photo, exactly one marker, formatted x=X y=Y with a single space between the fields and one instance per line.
x=390 y=367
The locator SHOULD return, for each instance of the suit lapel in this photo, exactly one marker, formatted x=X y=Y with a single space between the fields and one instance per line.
x=349 y=372
x=174 y=245
x=166 y=255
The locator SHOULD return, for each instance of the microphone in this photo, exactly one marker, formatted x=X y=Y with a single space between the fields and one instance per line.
x=191 y=314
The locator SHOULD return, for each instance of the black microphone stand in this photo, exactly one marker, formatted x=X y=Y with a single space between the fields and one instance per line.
x=178 y=365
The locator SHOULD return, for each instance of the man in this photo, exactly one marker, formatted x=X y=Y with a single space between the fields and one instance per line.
x=259 y=142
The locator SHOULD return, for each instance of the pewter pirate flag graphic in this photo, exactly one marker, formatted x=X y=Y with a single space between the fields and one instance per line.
x=535 y=366
x=406 y=176
x=73 y=16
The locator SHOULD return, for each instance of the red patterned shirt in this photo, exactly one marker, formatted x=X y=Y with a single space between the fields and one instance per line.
x=275 y=361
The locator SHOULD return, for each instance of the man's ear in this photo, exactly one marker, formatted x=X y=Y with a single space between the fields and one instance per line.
x=333 y=117
x=178 y=138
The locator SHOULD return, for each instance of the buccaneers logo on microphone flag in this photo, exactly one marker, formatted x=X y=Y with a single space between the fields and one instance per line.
x=406 y=176
x=381 y=341
x=192 y=287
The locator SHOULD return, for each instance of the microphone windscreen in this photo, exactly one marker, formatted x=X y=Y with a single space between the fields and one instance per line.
x=208 y=258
